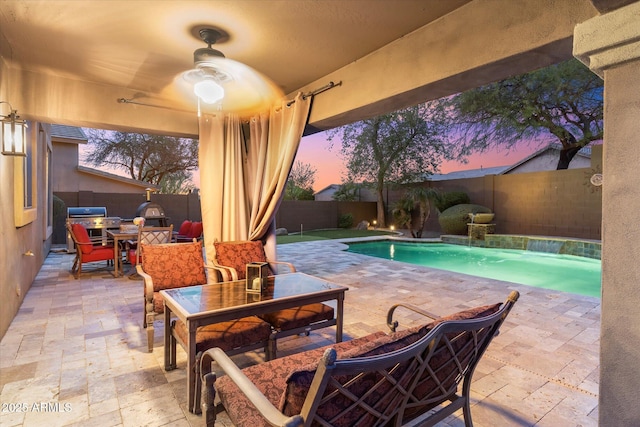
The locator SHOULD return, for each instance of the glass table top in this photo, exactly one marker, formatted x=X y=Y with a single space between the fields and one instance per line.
x=196 y=299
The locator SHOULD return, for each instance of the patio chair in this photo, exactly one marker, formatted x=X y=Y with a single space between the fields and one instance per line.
x=176 y=265
x=409 y=377
x=189 y=231
x=149 y=236
x=87 y=249
x=167 y=266
x=231 y=259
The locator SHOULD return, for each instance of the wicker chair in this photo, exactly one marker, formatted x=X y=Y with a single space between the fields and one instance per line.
x=230 y=261
x=87 y=249
x=410 y=377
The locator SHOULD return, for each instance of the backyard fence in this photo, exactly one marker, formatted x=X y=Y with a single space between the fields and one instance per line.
x=550 y=203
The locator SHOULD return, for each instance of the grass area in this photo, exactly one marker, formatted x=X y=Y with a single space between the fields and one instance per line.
x=339 y=233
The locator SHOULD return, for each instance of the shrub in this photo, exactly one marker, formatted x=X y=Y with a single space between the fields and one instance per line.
x=454 y=220
x=452 y=198
x=345 y=221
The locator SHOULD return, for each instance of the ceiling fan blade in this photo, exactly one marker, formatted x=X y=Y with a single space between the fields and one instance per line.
x=246 y=91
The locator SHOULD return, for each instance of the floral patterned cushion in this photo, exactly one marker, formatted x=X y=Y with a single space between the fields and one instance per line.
x=300 y=379
x=270 y=378
x=174 y=265
x=238 y=254
x=291 y=318
x=227 y=335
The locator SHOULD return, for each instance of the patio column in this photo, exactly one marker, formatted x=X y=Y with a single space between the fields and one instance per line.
x=610 y=45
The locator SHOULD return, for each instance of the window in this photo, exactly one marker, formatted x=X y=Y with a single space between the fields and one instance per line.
x=48 y=187
x=25 y=183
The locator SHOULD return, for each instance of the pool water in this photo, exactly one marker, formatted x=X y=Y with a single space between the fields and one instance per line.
x=565 y=273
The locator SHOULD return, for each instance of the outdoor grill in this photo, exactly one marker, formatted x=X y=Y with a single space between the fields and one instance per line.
x=94 y=219
x=152 y=211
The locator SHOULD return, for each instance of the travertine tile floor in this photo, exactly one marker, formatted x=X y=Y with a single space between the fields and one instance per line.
x=75 y=355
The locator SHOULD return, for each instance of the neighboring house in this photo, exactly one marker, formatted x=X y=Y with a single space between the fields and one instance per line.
x=326 y=194
x=471 y=173
x=69 y=177
x=364 y=194
x=545 y=159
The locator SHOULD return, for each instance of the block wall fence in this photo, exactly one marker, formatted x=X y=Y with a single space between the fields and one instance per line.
x=551 y=203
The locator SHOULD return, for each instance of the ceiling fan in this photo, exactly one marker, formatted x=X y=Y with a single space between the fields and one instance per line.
x=222 y=84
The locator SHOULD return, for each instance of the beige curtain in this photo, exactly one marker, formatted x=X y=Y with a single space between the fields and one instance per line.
x=242 y=183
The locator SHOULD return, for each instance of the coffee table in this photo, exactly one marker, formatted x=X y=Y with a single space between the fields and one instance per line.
x=206 y=304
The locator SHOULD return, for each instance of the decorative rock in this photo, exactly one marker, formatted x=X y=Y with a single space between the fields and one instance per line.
x=281 y=232
x=362 y=225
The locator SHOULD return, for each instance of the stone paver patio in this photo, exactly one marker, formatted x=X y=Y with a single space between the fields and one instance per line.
x=75 y=355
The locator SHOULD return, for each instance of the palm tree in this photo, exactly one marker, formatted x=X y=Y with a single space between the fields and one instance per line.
x=403 y=209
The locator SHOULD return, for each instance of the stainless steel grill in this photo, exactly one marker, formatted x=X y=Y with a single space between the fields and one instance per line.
x=94 y=219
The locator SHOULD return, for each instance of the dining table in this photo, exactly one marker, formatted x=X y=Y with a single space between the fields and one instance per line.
x=119 y=237
x=202 y=305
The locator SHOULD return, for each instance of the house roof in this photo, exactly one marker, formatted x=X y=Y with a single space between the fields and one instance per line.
x=501 y=170
x=583 y=152
x=107 y=175
x=68 y=134
x=471 y=173
x=329 y=187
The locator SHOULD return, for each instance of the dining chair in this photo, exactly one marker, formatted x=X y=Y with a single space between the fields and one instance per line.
x=87 y=249
x=231 y=259
x=149 y=236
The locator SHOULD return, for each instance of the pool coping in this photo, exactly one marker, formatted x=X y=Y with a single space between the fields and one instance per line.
x=562 y=245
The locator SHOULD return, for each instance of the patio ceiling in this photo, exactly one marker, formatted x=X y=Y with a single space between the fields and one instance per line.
x=85 y=55
x=142 y=45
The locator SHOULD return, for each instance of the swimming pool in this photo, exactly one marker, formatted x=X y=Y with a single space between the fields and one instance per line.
x=565 y=273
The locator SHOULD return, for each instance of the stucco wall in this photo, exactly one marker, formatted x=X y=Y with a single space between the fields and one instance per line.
x=550 y=203
x=17 y=268
x=620 y=327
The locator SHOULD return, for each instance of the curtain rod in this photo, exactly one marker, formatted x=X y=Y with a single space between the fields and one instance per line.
x=324 y=88
x=132 y=101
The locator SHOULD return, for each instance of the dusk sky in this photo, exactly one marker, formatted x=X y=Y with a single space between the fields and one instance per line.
x=314 y=149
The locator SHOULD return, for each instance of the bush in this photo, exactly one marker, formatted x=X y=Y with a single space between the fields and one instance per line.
x=454 y=220
x=345 y=221
x=452 y=198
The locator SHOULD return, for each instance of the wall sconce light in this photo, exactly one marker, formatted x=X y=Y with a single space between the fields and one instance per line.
x=13 y=133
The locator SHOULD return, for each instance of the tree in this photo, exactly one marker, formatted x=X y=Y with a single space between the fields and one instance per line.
x=300 y=183
x=348 y=192
x=165 y=161
x=563 y=102
x=404 y=208
x=394 y=148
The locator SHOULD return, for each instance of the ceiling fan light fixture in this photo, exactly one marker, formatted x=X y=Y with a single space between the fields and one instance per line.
x=208 y=91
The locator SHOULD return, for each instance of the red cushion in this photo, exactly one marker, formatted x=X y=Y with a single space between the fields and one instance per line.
x=185 y=228
x=82 y=236
x=238 y=254
x=99 y=253
x=131 y=257
x=195 y=231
